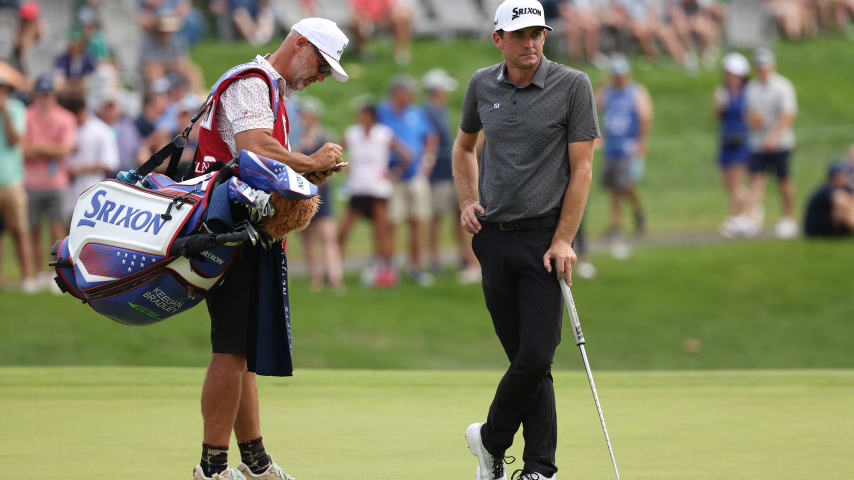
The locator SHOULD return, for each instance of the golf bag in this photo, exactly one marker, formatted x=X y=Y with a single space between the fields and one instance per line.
x=140 y=253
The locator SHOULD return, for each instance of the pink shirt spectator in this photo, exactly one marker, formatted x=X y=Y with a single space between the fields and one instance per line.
x=57 y=127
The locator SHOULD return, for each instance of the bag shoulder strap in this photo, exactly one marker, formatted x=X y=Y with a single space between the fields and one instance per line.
x=173 y=149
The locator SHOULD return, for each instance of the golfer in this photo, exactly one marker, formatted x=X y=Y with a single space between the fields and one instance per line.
x=523 y=203
x=250 y=330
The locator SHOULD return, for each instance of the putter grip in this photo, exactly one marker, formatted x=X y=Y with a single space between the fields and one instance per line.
x=573 y=314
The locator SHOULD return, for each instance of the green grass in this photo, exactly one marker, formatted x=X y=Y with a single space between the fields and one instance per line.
x=682 y=188
x=107 y=423
x=762 y=304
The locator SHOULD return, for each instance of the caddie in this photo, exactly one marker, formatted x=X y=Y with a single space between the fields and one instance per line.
x=250 y=330
x=523 y=202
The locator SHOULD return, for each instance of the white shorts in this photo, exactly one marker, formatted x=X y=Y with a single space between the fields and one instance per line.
x=410 y=200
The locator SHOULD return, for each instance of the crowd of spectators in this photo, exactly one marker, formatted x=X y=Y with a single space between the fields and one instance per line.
x=689 y=31
x=74 y=123
x=399 y=173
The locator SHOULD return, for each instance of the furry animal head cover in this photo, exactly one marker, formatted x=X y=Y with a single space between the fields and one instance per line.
x=290 y=214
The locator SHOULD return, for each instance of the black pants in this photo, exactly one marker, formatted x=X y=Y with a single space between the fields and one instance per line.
x=526 y=307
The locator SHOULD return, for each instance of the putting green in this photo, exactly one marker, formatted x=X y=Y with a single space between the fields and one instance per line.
x=126 y=422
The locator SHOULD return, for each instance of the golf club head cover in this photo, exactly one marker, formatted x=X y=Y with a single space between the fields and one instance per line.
x=262 y=173
x=258 y=201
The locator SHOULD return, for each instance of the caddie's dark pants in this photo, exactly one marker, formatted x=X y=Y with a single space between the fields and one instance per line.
x=526 y=307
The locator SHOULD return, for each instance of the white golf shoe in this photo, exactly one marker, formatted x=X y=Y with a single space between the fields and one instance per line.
x=228 y=474
x=489 y=467
x=273 y=472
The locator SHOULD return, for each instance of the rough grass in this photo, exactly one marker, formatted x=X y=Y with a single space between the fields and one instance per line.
x=764 y=304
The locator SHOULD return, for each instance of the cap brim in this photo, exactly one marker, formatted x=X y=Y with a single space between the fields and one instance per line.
x=337 y=70
x=521 y=25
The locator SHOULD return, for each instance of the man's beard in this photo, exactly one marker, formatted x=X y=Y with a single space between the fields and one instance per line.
x=303 y=74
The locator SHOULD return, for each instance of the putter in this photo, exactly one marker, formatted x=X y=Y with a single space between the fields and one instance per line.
x=579 y=340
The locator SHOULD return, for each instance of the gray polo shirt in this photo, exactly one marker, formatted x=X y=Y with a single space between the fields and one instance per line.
x=525 y=167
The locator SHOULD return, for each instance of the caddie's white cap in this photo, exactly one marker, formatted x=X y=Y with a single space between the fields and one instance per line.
x=518 y=14
x=736 y=64
x=328 y=38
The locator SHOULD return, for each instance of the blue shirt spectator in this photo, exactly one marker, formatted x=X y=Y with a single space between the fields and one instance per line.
x=412 y=127
x=74 y=64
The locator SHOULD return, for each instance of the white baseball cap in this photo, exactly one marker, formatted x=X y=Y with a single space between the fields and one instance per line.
x=328 y=38
x=764 y=57
x=518 y=14
x=438 y=79
x=736 y=64
x=619 y=65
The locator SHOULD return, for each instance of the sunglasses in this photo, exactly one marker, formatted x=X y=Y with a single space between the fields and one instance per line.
x=322 y=65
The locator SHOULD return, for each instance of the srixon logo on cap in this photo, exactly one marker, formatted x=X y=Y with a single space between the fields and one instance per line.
x=526 y=11
x=120 y=215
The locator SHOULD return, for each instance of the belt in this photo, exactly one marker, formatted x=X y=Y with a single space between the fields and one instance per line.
x=547 y=221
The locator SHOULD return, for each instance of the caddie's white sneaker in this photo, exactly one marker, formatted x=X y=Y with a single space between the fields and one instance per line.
x=228 y=474
x=530 y=476
x=273 y=472
x=489 y=467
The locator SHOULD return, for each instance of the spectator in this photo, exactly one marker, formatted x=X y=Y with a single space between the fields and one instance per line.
x=771 y=109
x=193 y=23
x=733 y=157
x=94 y=41
x=72 y=68
x=851 y=155
x=644 y=19
x=253 y=18
x=582 y=20
x=627 y=120
x=176 y=89
x=104 y=81
x=163 y=52
x=47 y=142
x=154 y=103
x=439 y=85
x=830 y=211
x=30 y=30
x=794 y=18
x=693 y=19
x=13 y=197
x=128 y=138
x=410 y=200
x=96 y=154
x=370 y=186
x=321 y=230
x=369 y=15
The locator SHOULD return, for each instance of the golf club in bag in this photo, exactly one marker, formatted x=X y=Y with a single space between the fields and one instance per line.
x=579 y=340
